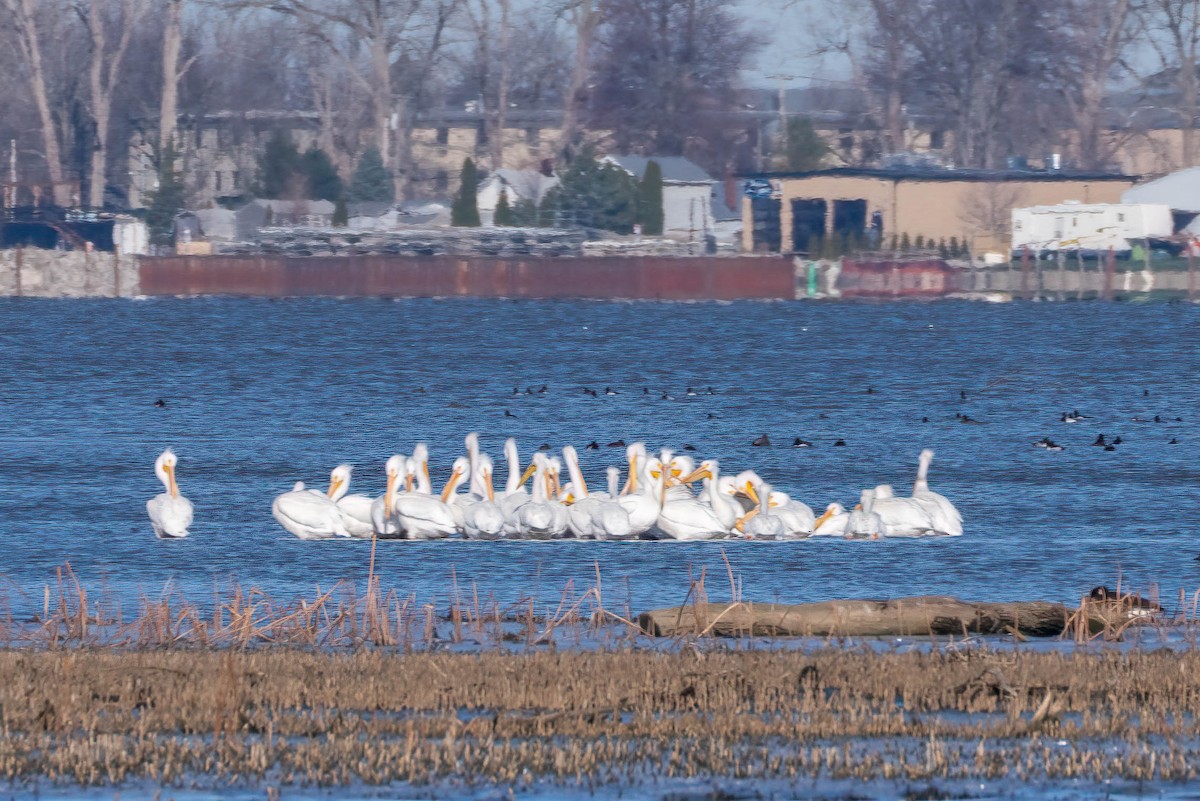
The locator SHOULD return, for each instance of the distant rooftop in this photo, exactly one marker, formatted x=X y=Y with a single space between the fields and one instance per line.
x=934 y=174
x=674 y=168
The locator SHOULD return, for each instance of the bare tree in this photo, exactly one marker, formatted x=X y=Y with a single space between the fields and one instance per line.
x=1098 y=34
x=491 y=60
x=1174 y=33
x=21 y=17
x=174 y=69
x=103 y=73
x=988 y=210
x=585 y=17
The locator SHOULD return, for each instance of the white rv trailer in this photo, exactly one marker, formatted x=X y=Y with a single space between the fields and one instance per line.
x=1092 y=228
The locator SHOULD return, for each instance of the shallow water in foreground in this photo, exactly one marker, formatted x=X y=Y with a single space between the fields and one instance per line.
x=263 y=393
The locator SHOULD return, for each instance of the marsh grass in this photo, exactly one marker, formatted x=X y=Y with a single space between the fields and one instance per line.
x=374 y=686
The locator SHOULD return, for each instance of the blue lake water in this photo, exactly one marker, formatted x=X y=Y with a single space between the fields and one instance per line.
x=263 y=393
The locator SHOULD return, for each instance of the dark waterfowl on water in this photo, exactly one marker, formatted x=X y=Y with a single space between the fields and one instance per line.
x=761 y=442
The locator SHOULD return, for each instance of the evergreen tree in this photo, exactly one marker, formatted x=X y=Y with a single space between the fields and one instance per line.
x=525 y=214
x=905 y=243
x=320 y=175
x=464 y=212
x=919 y=244
x=371 y=181
x=166 y=201
x=943 y=250
x=341 y=213
x=504 y=213
x=954 y=247
x=650 y=200
x=592 y=194
x=805 y=150
x=280 y=172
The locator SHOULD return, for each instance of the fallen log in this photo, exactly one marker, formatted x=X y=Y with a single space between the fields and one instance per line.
x=907 y=617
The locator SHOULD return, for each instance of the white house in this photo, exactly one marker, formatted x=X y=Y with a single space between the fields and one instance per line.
x=516 y=185
x=687 y=194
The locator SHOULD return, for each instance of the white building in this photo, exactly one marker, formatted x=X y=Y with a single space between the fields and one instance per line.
x=687 y=194
x=517 y=185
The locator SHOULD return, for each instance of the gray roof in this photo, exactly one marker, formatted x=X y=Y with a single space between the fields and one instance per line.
x=1179 y=190
x=675 y=169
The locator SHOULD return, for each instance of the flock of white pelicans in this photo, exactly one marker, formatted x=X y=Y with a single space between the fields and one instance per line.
x=659 y=500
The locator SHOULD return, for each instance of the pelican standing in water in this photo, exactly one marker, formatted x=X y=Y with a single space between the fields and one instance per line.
x=590 y=517
x=308 y=514
x=638 y=498
x=170 y=512
x=355 y=509
x=383 y=518
x=944 y=516
x=683 y=518
x=761 y=523
x=537 y=519
x=482 y=519
x=797 y=518
x=424 y=516
x=717 y=493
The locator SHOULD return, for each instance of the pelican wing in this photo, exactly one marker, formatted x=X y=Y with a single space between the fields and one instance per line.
x=309 y=515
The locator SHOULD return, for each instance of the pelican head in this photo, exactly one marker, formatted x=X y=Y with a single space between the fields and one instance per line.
x=709 y=468
x=884 y=491
x=831 y=511
x=486 y=469
x=339 y=481
x=457 y=471
x=396 y=468
x=164 y=468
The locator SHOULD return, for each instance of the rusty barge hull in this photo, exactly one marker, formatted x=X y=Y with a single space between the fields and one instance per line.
x=599 y=278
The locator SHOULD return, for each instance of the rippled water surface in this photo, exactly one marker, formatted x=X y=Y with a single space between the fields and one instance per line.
x=261 y=394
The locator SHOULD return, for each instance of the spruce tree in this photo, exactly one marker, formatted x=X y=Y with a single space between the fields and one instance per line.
x=280 y=172
x=166 y=201
x=905 y=243
x=371 y=181
x=504 y=213
x=322 y=177
x=650 y=200
x=464 y=213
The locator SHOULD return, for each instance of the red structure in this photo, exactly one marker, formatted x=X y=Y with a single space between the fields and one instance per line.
x=601 y=278
x=896 y=279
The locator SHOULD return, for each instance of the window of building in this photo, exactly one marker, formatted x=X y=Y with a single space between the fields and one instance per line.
x=531 y=135
x=441 y=181
x=443 y=136
x=937 y=139
x=217 y=181
x=481 y=138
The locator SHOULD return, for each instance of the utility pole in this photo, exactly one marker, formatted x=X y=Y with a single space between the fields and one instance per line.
x=783 y=126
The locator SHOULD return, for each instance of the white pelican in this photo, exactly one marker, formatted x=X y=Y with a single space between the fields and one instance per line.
x=308 y=514
x=170 y=513
x=422 y=515
x=683 y=518
x=590 y=517
x=680 y=466
x=902 y=517
x=355 y=509
x=420 y=457
x=761 y=523
x=383 y=519
x=554 y=467
x=797 y=518
x=863 y=523
x=832 y=523
x=514 y=488
x=638 y=498
x=718 y=492
x=946 y=519
x=538 y=518
x=482 y=519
